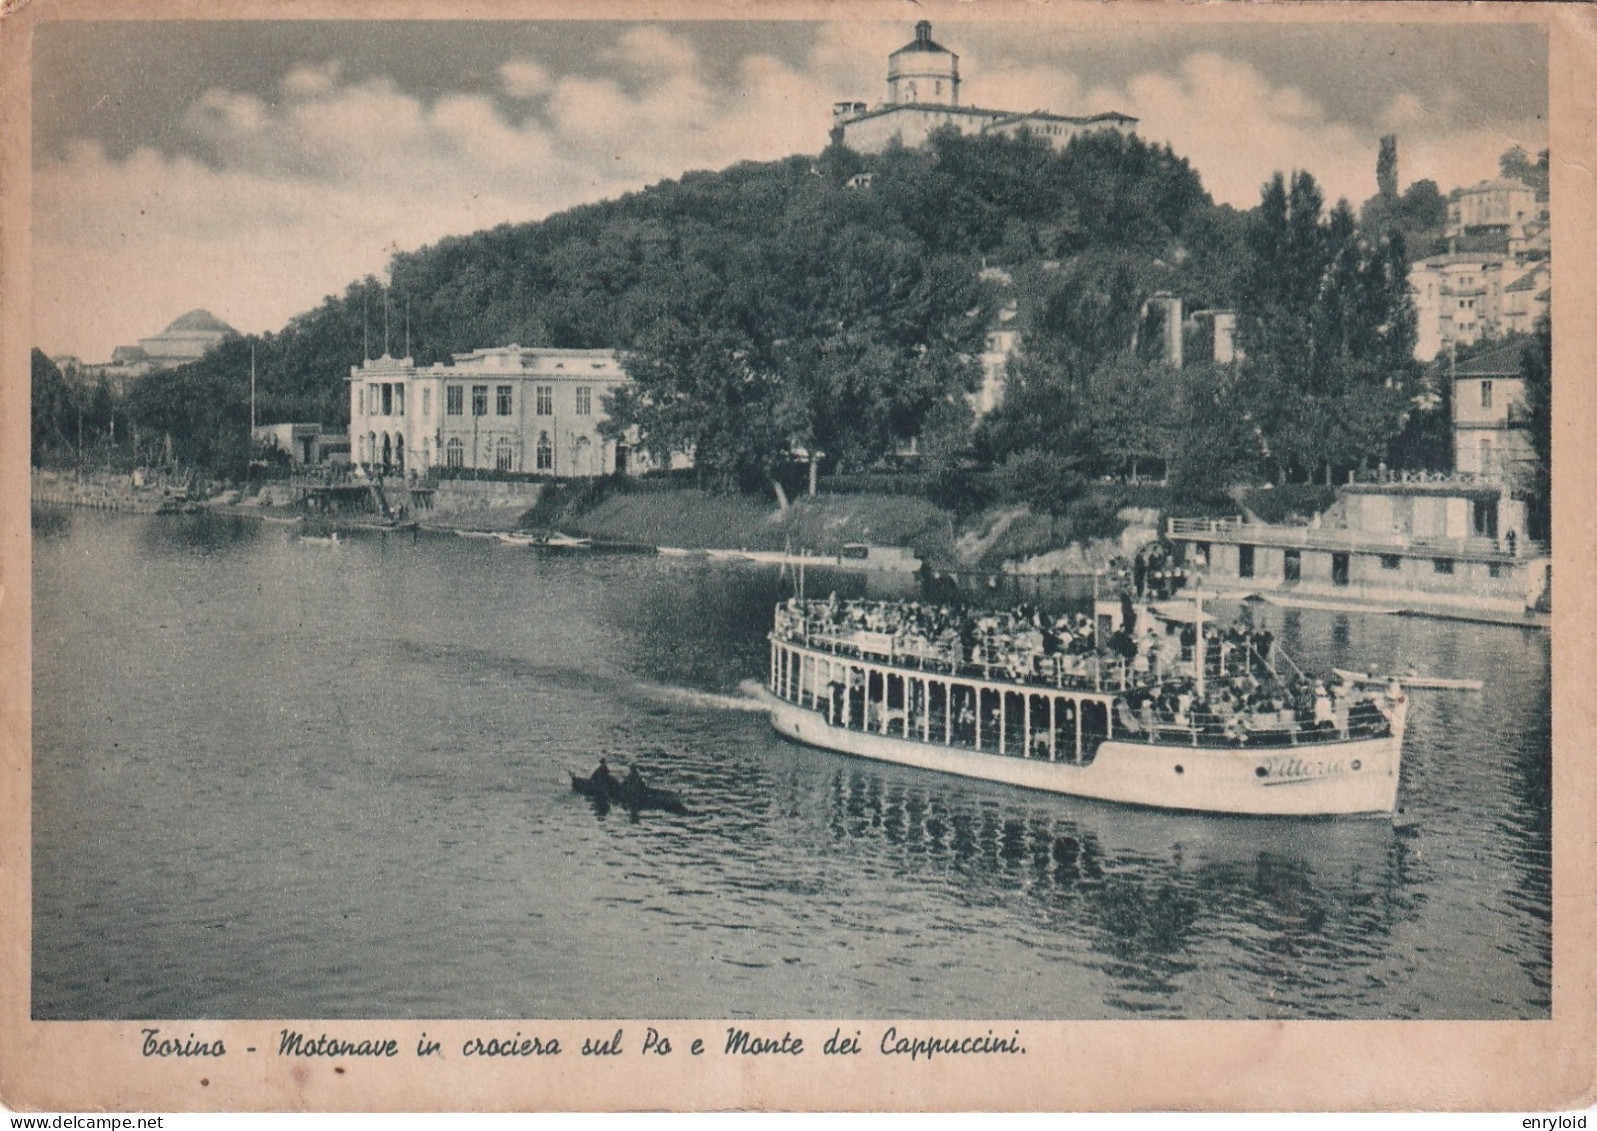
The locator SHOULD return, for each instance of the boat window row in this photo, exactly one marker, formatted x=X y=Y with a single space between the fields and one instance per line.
x=948 y=712
x=1031 y=723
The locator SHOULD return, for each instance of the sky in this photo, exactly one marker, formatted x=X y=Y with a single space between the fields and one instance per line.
x=253 y=168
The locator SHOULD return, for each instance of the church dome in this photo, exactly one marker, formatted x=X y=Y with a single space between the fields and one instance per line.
x=199 y=321
x=923 y=72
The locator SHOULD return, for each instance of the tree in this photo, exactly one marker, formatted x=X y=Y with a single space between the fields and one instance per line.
x=1048 y=482
x=1516 y=165
x=1536 y=365
x=710 y=394
x=1386 y=169
x=1328 y=333
x=54 y=408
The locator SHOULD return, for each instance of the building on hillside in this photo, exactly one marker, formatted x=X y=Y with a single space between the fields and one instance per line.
x=1002 y=341
x=509 y=408
x=1500 y=210
x=923 y=95
x=1527 y=299
x=1496 y=275
x=1491 y=429
x=1211 y=335
x=1460 y=297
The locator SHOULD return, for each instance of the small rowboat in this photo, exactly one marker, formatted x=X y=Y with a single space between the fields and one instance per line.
x=1429 y=682
x=566 y=542
x=631 y=796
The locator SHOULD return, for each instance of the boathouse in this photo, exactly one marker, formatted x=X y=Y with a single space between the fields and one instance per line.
x=1398 y=541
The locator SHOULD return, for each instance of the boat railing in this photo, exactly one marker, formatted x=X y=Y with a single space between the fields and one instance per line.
x=1079 y=672
x=1350 y=540
x=1287 y=727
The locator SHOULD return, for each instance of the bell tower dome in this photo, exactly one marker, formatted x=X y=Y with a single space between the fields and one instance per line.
x=923 y=72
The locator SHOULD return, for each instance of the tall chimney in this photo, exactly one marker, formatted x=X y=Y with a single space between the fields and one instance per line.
x=923 y=33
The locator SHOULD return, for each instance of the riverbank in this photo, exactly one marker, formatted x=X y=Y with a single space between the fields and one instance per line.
x=1007 y=539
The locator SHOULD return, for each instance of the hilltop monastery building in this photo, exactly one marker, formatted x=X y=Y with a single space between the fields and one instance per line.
x=923 y=95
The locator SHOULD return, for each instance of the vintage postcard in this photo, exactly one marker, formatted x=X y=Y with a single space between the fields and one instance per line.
x=796 y=556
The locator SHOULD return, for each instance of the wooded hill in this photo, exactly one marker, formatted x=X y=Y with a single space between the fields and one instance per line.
x=792 y=305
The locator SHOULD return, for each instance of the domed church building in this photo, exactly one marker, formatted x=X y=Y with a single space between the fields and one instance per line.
x=185 y=340
x=923 y=95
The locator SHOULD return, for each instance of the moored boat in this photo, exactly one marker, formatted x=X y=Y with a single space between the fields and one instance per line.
x=1414 y=679
x=1091 y=708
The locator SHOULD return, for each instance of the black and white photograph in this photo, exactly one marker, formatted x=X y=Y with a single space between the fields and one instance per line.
x=797 y=524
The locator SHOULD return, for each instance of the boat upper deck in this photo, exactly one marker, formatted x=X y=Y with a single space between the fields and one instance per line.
x=1238 y=687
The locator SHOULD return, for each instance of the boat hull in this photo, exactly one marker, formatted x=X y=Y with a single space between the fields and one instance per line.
x=1323 y=779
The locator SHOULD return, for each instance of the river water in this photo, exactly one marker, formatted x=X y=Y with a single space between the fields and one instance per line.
x=274 y=779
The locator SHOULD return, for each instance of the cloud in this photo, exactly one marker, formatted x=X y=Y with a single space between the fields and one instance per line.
x=279 y=202
x=1238 y=128
x=524 y=79
x=309 y=81
x=271 y=200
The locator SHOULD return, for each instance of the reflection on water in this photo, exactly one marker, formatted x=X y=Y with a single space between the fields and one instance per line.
x=332 y=781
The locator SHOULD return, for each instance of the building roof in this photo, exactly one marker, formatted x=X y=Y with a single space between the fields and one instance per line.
x=923 y=41
x=1526 y=282
x=1010 y=117
x=1500 y=362
x=995 y=117
x=1497 y=184
x=1448 y=259
x=199 y=321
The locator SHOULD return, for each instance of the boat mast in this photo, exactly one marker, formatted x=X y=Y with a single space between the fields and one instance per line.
x=252 y=392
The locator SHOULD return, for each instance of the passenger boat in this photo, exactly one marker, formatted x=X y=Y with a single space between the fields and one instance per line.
x=994 y=698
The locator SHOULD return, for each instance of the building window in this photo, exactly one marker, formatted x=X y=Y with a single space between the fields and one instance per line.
x=479 y=400
x=504 y=455
x=546 y=454
x=1292 y=565
x=399 y=400
x=373 y=399
x=1486 y=394
x=1442 y=565
x=456 y=403
x=1244 y=561
x=388 y=399
x=1391 y=561
x=503 y=400
x=426 y=402
x=455 y=453
x=584 y=400
x=546 y=397
x=1495 y=569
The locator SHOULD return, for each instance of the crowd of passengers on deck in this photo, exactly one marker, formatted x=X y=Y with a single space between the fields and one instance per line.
x=1244 y=697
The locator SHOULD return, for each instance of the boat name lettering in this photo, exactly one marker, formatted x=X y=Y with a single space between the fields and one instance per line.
x=1300 y=769
x=917 y=1048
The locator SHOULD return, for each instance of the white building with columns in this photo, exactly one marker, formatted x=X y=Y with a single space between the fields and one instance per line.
x=510 y=408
